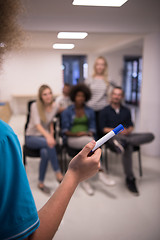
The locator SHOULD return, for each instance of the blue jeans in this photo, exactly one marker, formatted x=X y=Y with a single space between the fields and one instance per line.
x=46 y=154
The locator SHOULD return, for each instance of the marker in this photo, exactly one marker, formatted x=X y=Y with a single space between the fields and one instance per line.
x=108 y=136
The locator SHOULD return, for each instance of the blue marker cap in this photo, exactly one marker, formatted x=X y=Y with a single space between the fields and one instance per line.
x=118 y=129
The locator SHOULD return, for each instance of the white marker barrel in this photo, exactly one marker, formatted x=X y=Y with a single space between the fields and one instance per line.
x=104 y=139
x=109 y=135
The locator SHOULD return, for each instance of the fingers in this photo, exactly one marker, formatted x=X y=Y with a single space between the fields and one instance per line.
x=94 y=159
x=97 y=154
x=87 y=148
x=85 y=166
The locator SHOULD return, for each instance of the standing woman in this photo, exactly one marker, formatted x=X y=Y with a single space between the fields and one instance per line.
x=100 y=88
x=40 y=133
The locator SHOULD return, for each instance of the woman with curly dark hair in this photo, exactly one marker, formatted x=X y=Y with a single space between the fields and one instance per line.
x=79 y=126
x=78 y=120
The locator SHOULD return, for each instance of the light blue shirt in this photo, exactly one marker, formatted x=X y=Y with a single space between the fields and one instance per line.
x=18 y=213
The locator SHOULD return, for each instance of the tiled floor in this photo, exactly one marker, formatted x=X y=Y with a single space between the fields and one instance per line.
x=112 y=213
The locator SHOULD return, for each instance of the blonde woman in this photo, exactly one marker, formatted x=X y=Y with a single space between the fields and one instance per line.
x=100 y=88
x=40 y=133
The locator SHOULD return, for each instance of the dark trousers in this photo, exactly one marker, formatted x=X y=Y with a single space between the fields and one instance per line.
x=134 y=139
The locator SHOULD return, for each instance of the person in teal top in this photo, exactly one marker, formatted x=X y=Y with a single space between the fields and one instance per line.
x=15 y=193
x=19 y=218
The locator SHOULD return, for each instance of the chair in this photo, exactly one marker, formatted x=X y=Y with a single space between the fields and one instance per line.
x=135 y=149
x=71 y=152
x=27 y=152
x=62 y=147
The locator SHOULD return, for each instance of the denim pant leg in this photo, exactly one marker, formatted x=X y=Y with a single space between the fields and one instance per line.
x=39 y=142
x=54 y=160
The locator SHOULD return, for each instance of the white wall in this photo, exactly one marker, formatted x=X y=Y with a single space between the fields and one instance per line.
x=24 y=71
x=150 y=100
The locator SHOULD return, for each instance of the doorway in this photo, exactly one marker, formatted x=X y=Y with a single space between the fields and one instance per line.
x=75 y=69
x=132 y=80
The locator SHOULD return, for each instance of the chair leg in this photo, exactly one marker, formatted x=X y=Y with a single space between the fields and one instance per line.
x=106 y=160
x=24 y=158
x=140 y=163
x=60 y=156
x=64 y=160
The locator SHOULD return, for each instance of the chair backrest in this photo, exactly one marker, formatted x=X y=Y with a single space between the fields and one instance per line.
x=28 y=114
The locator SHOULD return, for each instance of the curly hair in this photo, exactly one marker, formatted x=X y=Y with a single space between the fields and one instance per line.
x=10 y=32
x=81 y=87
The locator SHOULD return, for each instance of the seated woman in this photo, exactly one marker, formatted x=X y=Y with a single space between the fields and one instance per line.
x=78 y=120
x=40 y=133
x=78 y=125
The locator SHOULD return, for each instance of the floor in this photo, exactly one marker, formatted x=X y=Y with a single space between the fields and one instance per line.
x=112 y=213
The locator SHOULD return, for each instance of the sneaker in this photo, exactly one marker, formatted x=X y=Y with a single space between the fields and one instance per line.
x=103 y=177
x=118 y=147
x=131 y=185
x=87 y=188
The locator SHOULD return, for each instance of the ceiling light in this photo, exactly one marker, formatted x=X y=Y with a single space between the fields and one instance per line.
x=72 y=35
x=63 y=46
x=108 y=3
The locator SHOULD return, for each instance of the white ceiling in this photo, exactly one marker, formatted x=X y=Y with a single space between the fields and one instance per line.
x=109 y=28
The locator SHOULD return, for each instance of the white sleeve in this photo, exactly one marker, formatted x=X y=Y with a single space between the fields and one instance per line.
x=35 y=118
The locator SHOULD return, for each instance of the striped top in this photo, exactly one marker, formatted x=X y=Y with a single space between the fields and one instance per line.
x=99 y=91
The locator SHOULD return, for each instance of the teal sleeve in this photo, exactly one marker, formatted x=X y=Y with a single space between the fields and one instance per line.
x=18 y=214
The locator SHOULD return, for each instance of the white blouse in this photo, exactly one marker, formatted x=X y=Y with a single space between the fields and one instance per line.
x=35 y=119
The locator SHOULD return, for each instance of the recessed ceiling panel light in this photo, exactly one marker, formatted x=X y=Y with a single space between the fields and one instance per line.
x=72 y=35
x=63 y=46
x=108 y=3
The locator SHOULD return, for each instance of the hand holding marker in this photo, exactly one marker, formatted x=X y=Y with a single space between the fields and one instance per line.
x=106 y=137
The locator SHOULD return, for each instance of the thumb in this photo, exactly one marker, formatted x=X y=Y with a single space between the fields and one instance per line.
x=87 y=148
